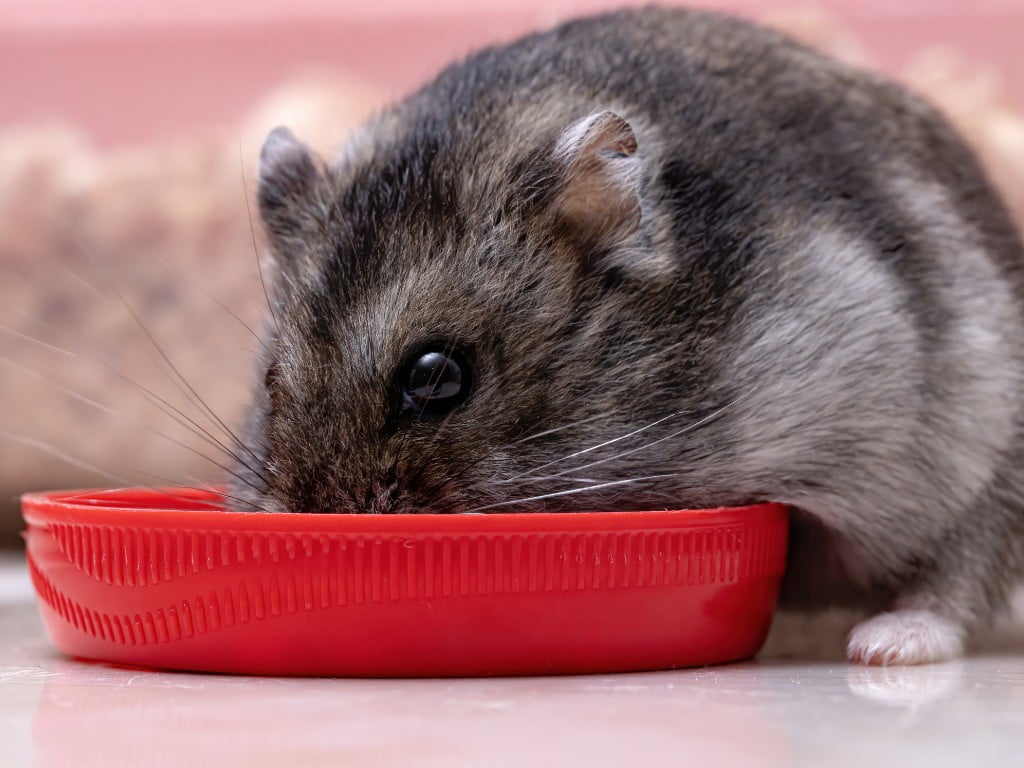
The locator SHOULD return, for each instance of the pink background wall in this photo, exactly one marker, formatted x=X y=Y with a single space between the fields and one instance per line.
x=128 y=71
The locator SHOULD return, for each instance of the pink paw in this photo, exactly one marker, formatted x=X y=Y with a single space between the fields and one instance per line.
x=905 y=637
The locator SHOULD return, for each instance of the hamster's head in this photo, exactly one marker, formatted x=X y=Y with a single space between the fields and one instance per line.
x=463 y=326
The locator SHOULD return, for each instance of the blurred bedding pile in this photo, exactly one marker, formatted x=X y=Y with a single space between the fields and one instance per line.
x=88 y=237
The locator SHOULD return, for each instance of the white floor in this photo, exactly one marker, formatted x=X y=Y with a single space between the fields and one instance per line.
x=55 y=712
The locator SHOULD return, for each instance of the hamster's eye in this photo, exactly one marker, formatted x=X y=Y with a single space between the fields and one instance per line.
x=436 y=381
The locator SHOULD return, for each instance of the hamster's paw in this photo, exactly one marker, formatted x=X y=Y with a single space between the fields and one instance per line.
x=905 y=637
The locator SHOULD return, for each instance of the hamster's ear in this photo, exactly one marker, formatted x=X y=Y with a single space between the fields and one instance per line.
x=599 y=201
x=287 y=180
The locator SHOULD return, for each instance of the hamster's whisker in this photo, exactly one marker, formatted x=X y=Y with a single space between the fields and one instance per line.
x=65 y=456
x=161 y=404
x=158 y=402
x=703 y=421
x=563 y=478
x=557 y=494
x=112 y=412
x=561 y=428
x=177 y=379
x=255 y=246
x=179 y=274
x=595 y=447
x=79 y=279
x=37 y=342
x=200 y=485
x=202 y=404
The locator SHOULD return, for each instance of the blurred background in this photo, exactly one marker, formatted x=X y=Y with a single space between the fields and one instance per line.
x=128 y=137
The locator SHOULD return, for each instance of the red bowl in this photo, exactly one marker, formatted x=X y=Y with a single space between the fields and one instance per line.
x=169 y=580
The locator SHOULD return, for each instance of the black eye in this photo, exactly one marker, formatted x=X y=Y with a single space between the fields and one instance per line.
x=436 y=381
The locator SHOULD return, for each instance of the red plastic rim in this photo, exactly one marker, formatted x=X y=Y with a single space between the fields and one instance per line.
x=168 y=580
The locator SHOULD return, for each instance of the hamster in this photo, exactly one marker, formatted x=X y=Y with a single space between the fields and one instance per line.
x=661 y=259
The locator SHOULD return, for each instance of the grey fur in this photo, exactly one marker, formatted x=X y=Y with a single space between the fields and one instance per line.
x=821 y=286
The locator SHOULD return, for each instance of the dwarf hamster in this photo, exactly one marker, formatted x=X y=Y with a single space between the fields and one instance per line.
x=660 y=259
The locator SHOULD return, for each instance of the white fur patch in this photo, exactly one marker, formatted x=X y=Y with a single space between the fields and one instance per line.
x=905 y=637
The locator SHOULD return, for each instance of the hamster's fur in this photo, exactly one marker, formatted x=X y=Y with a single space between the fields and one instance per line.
x=685 y=261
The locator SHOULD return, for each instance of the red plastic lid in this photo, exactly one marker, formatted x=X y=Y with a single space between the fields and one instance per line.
x=170 y=580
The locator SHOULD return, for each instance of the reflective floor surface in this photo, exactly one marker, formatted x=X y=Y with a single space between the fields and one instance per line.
x=60 y=713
